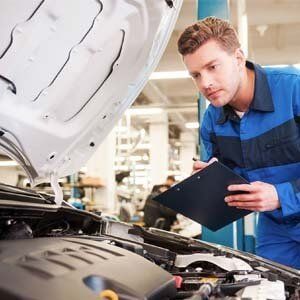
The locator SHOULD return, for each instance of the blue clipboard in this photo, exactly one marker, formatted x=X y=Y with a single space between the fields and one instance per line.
x=200 y=197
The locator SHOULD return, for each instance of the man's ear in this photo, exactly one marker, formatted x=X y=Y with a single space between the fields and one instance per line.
x=240 y=56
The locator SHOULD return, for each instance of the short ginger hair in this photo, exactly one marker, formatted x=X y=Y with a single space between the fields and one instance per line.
x=210 y=28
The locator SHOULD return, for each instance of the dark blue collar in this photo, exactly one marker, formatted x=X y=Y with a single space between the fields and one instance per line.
x=262 y=99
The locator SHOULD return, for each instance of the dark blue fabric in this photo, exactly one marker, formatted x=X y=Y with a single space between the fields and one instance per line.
x=264 y=145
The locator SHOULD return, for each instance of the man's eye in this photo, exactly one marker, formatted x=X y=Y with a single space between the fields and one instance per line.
x=214 y=67
x=195 y=76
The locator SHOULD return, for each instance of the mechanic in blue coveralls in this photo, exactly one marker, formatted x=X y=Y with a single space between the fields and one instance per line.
x=252 y=126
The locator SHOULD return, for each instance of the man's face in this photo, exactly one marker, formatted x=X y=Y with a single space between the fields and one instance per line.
x=216 y=73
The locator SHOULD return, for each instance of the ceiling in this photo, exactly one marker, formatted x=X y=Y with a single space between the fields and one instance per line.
x=273 y=38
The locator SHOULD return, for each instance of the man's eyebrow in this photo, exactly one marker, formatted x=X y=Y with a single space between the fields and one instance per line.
x=210 y=63
x=205 y=66
x=193 y=73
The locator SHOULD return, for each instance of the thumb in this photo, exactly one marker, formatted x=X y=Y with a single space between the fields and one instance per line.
x=212 y=160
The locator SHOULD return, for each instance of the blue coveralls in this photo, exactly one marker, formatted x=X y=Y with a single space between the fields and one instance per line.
x=264 y=145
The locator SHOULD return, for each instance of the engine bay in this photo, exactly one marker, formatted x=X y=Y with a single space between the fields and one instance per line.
x=63 y=253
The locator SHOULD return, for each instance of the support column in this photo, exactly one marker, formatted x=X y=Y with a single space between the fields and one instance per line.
x=159 y=158
x=187 y=152
x=101 y=165
x=218 y=8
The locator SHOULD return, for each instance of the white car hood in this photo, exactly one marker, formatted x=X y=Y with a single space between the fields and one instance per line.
x=68 y=70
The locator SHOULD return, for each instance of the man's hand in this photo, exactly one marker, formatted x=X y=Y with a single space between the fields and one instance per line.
x=199 y=165
x=260 y=196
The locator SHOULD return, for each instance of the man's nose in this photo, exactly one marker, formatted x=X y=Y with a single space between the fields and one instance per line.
x=205 y=83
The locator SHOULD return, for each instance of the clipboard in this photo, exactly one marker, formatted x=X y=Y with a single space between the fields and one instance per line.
x=200 y=197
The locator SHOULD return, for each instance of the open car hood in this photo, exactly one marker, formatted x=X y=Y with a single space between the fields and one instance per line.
x=68 y=70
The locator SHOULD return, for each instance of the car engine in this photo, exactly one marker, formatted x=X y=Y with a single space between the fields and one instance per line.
x=51 y=252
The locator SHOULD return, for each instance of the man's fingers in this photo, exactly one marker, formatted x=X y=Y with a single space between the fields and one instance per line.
x=212 y=160
x=242 y=204
x=249 y=205
x=199 y=165
x=241 y=197
x=241 y=187
x=260 y=197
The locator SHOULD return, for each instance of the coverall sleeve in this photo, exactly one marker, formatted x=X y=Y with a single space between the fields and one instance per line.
x=289 y=197
x=289 y=192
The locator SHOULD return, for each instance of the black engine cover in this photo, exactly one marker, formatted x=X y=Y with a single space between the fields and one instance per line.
x=78 y=268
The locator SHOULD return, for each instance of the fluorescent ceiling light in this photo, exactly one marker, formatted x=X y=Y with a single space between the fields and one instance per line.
x=192 y=125
x=297 y=66
x=275 y=66
x=170 y=75
x=8 y=163
x=144 y=111
x=185 y=74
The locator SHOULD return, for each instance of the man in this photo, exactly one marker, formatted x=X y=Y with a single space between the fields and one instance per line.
x=252 y=126
x=170 y=180
x=155 y=214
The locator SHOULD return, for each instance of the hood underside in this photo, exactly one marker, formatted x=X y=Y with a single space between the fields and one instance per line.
x=68 y=70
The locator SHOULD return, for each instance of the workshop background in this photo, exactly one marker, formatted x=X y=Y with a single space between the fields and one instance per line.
x=158 y=136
